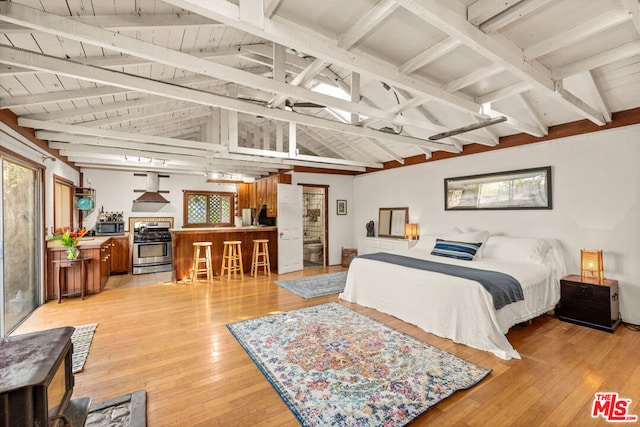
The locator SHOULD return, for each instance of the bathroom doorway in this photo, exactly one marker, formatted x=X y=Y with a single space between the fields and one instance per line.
x=315 y=225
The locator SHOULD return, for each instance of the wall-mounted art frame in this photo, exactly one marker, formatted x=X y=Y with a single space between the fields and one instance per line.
x=516 y=189
x=341 y=207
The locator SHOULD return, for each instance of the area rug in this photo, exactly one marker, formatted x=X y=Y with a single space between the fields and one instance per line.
x=81 y=339
x=315 y=286
x=128 y=410
x=334 y=366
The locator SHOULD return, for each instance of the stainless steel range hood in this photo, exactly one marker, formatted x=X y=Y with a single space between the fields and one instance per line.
x=152 y=194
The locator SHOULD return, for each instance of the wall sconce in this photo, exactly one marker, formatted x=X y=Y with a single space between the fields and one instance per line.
x=411 y=231
x=591 y=265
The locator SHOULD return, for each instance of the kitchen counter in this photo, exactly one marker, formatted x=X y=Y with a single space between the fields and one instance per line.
x=183 y=239
x=85 y=242
x=250 y=228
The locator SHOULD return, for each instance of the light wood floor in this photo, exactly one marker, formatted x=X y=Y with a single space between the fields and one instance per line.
x=171 y=340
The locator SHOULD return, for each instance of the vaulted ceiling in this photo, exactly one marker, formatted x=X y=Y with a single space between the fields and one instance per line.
x=255 y=86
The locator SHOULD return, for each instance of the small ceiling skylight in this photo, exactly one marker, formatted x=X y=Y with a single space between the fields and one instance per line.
x=337 y=93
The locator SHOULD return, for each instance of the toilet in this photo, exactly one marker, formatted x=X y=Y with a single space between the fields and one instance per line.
x=315 y=252
x=312 y=250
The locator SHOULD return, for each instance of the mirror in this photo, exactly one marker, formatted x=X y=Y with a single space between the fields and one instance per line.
x=391 y=222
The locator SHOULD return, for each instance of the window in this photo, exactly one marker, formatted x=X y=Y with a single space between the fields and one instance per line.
x=336 y=92
x=62 y=203
x=208 y=209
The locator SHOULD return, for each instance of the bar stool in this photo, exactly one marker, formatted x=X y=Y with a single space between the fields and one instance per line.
x=198 y=259
x=260 y=249
x=232 y=259
x=70 y=264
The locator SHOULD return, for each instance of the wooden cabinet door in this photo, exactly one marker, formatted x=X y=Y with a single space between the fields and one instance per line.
x=261 y=192
x=244 y=197
x=272 y=195
x=105 y=262
x=253 y=197
x=120 y=255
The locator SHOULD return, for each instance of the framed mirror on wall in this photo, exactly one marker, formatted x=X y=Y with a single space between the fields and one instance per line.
x=391 y=222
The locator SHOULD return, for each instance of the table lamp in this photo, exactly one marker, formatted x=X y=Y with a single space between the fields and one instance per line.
x=591 y=265
x=411 y=231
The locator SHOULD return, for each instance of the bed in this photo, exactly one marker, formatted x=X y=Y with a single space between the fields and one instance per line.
x=458 y=308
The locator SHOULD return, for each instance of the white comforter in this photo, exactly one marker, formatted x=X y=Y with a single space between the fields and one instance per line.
x=452 y=307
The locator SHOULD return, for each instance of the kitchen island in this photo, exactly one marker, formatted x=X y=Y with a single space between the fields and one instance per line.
x=97 y=250
x=182 y=246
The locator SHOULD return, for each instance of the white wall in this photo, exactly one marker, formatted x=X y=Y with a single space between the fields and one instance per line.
x=114 y=192
x=341 y=233
x=596 y=200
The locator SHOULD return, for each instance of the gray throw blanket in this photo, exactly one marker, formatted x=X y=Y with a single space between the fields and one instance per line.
x=504 y=289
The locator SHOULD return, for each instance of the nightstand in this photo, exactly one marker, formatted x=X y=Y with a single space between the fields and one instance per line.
x=588 y=303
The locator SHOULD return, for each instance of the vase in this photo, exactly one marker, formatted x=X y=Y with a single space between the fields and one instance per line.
x=73 y=252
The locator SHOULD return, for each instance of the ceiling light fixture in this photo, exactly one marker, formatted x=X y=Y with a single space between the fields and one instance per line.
x=468 y=128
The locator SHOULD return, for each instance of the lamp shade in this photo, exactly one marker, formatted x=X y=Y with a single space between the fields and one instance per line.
x=411 y=231
x=591 y=265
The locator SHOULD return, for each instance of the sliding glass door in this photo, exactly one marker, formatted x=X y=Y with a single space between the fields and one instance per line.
x=20 y=253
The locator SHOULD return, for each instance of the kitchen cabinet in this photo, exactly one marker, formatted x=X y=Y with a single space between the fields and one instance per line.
x=120 y=255
x=97 y=272
x=244 y=197
x=262 y=192
x=105 y=262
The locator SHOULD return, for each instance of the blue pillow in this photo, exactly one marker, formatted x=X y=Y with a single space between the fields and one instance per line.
x=458 y=250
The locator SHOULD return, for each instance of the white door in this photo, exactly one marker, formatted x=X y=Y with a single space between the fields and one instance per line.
x=289 y=228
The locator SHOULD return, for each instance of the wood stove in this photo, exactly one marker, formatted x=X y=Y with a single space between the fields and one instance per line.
x=36 y=380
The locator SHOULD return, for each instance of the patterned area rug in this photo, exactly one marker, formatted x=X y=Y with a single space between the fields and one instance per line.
x=334 y=366
x=81 y=339
x=315 y=286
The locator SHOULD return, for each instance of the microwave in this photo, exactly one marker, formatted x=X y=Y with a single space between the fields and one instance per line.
x=109 y=228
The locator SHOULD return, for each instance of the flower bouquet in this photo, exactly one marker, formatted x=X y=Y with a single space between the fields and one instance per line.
x=69 y=239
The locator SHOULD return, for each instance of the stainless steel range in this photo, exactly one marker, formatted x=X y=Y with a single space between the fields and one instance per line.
x=151 y=247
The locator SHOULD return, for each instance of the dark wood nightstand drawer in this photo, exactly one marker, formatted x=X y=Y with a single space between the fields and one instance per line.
x=589 y=304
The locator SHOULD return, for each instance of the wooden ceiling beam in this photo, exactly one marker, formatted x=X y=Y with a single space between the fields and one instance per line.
x=587 y=64
x=482 y=10
x=633 y=7
x=306 y=75
x=592 y=86
x=473 y=77
x=575 y=34
x=50 y=129
x=367 y=22
x=320 y=46
x=99 y=91
x=511 y=15
x=498 y=50
x=533 y=113
x=429 y=55
x=103 y=76
x=127 y=22
x=63 y=27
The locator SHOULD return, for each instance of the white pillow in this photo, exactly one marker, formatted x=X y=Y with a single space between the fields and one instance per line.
x=519 y=249
x=426 y=241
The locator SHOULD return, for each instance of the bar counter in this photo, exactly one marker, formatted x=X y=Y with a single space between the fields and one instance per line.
x=182 y=240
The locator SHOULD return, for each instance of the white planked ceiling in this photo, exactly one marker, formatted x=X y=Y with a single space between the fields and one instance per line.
x=197 y=86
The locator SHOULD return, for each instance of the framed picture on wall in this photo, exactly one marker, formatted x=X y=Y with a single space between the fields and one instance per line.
x=341 y=207
x=517 y=189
